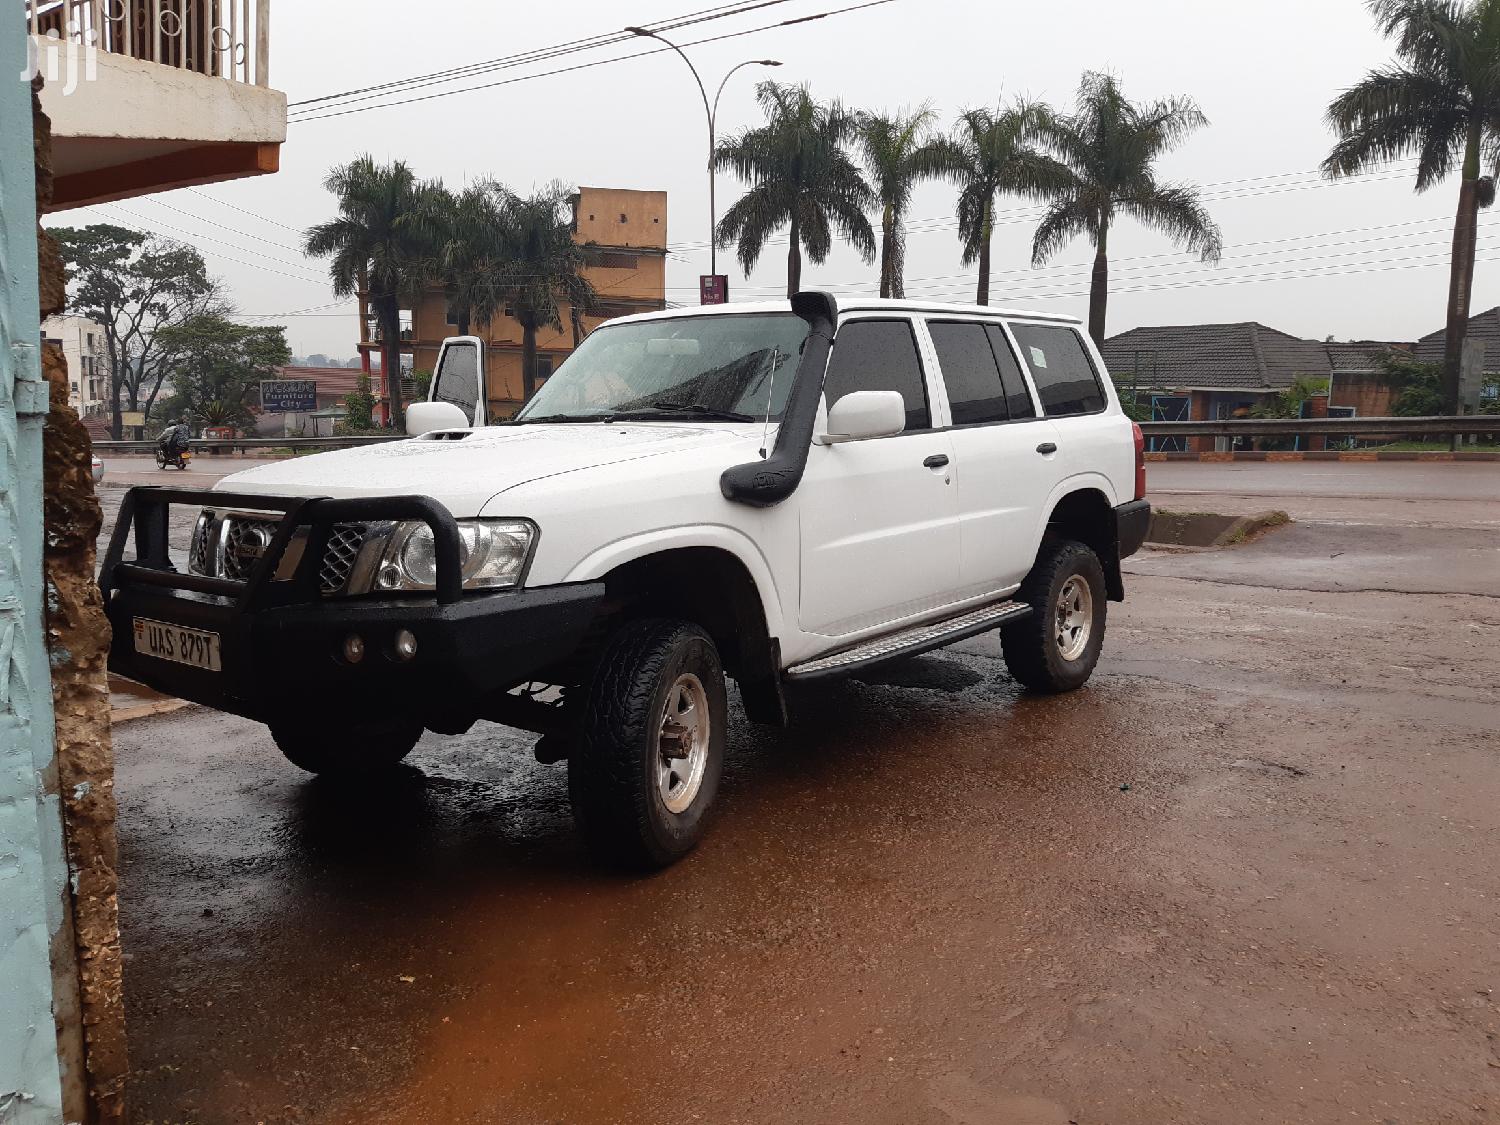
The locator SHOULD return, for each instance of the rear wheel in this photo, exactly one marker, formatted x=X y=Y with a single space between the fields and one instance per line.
x=349 y=750
x=1056 y=647
x=645 y=770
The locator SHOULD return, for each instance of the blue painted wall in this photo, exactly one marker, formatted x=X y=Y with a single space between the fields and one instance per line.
x=32 y=867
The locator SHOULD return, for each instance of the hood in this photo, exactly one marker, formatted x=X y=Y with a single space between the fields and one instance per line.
x=464 y=469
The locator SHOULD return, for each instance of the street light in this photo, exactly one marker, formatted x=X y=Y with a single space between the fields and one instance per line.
x=712 y=110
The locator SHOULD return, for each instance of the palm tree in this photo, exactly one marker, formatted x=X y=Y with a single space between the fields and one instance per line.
x=991 y=152
x=1110 y=146
x=800 y=178
x=383 y=241
x=544 y=269
x=474 y=256
x=898 y=150
x=1440 y=102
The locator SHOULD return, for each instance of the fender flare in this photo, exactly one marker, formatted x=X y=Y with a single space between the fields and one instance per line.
x=732 y=541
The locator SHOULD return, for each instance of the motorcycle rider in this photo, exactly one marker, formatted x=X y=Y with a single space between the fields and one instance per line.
x=175 y=439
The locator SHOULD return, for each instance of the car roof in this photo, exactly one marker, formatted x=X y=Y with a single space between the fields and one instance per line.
x=850 y=305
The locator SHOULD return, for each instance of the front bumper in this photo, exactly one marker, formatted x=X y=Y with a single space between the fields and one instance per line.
x=281 y=642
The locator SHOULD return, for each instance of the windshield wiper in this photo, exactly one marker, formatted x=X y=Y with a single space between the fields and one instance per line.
x=697 y=409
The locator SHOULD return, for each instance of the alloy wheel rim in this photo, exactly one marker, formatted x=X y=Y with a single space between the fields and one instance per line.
x=1074 y=618
x=683 y=733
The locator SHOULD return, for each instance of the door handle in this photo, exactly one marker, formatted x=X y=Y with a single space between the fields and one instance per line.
x=936 y=461
x=1047 y=447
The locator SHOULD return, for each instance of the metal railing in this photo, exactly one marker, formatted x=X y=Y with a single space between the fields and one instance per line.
x=221 y=38
x=210 y=446
x=1330 y=427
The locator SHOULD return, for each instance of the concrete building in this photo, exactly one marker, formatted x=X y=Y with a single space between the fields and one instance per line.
x=625 y=236
x=82 y=344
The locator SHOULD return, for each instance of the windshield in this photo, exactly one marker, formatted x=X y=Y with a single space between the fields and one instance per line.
x=714 y=368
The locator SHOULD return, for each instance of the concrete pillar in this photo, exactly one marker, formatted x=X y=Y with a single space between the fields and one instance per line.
x=1198 y=412
x=34 y=933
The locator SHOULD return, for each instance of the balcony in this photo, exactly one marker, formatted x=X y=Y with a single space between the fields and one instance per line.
x=149 y=95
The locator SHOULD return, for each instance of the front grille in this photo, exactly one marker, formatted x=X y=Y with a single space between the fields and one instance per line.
x=229 y=547
x=200 y=554
x=245 y=541
x=344 y=542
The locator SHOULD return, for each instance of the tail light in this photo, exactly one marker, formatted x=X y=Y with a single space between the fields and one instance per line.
x=1140 y=460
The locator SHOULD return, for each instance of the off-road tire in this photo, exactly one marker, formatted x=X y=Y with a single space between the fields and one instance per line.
x=347 y=750
x=1032 y=651
x=612 y=770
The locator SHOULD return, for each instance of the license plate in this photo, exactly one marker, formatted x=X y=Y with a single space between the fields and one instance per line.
x=193 y=647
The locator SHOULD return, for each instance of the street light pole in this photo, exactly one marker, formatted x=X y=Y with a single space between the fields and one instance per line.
x=712 y=110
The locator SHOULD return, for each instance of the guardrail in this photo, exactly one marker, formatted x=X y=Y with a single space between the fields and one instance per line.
x=246 y=445
x=1330 y=427
x=1229 y=427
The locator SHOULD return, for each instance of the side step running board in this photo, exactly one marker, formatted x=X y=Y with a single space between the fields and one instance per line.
x=909 y=642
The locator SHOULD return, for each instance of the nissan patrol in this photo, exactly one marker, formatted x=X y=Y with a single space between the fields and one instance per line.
x=771 y=493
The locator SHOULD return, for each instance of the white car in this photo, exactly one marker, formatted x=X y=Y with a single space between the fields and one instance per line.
x=774 y=493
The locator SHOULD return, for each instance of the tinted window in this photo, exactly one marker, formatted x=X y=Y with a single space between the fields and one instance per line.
x=1017 y=397
x=878 y=355
x=969 y=372
x=1060 y=368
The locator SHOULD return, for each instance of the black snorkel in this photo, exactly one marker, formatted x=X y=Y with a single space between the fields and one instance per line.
x=772 y=479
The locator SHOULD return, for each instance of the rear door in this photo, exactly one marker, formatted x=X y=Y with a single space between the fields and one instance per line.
x=1092 y=439
x=1002 y=464
x=879 y=518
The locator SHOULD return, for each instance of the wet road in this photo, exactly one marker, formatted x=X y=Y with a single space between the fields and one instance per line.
x=1247 y=875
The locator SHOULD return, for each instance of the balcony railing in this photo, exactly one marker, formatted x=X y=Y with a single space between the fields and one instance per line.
x=221 y=38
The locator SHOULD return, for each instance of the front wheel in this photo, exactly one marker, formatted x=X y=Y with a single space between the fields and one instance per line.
x=1055 y=648
x=645 y=770
x=346 y=750
x=161 y=459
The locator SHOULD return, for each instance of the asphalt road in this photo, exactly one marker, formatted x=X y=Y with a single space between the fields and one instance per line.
x=1246 y=875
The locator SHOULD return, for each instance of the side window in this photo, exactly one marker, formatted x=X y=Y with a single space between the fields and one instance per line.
x=1017 y=397
x=879 y=355
x=1065 y=379
x=975 y=393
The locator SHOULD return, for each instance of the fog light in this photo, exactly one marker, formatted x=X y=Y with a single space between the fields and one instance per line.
x=406 y=644
x=354 y=648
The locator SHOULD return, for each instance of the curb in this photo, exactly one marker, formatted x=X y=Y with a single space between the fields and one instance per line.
x=1353 y=455
x=147 y=710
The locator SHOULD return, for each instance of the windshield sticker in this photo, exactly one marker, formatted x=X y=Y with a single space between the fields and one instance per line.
x=1038 y=357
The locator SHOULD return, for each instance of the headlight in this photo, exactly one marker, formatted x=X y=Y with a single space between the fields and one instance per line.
x=492 y=555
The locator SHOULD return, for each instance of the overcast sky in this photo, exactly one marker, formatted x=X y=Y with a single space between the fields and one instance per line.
x=1263 y=73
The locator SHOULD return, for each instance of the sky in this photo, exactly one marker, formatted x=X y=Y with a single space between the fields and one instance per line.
x=1364 y=259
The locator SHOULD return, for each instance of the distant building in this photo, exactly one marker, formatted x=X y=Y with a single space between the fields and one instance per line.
x=82 y=343
x=625 y=236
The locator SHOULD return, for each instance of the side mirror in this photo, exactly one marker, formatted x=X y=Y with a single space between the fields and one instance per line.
x=424 y=417
x=458 y=378
x=865 y=414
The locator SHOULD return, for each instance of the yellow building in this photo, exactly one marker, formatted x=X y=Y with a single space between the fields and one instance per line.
x=625 y=235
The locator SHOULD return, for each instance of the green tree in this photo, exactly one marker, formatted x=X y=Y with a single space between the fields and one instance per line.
x=217 y=367
x=1418 y=386
x=134 y=287
x=473 y=259
x=542 y=269
x=800 y=178
x=1110 y=146
x=898 y=150
x=386 y=241
x=991 y=152
x=1439 y=101
x=359 y=406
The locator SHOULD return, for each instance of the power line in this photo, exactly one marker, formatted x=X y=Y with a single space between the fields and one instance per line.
x=242 y=211
x=539 y=54
x=597 y=62
x=225 y=257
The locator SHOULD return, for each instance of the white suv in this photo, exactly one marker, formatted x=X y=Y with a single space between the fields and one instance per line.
x=776 y=493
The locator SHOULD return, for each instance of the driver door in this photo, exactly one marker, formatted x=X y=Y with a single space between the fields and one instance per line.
x=459 y=377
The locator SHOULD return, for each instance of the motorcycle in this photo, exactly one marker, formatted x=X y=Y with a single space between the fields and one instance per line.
x=175 y=458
